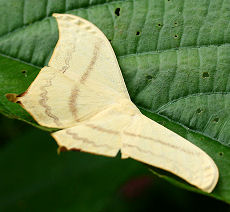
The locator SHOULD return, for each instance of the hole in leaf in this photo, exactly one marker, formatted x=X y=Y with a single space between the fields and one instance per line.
x=216 y=119
x=149 y=77
x=221 y=153
x=117 y=11
x=24 y=72
x=198 y=110
x=138 y=33
x=205 y=75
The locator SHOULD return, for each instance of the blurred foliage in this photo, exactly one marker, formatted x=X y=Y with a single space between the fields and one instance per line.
x=34 y=178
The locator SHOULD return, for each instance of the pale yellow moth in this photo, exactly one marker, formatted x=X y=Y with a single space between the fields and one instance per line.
x=83 y=93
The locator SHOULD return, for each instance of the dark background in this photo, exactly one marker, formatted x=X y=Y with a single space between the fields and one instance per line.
x=34 y=178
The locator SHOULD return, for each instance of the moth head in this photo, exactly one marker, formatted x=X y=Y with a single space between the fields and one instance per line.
x=12 y=97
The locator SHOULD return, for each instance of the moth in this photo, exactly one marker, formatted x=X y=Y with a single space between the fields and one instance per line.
x=82 y=92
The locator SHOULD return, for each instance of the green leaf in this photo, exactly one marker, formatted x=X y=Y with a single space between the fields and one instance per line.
x=174 y=56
